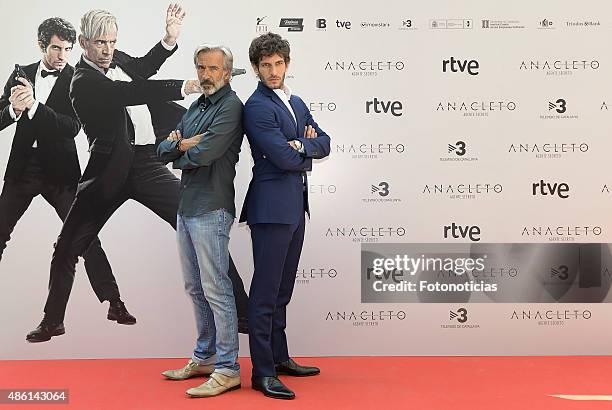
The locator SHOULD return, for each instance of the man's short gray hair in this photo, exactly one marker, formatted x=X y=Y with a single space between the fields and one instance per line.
x=97 y=23
x=228 y=57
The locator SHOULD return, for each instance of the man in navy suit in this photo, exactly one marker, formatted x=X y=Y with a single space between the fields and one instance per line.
x=284 y=139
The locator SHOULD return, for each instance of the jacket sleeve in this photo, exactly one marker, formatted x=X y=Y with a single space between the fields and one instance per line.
x=217 y=139
x=263 y=129
x=50 y=122
x=149 y=64
x=126 y=93
x=319 y=147
x=5 y=116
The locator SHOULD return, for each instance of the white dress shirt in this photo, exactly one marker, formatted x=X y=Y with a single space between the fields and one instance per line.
x=284 y=94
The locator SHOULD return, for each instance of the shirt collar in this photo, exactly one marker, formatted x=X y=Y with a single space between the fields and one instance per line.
x=41 y=67
x=284 y=93
x=216 y=96
x=93 y=65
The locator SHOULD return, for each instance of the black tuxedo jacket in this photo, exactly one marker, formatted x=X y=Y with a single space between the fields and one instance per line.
x=100 y=104
x=53 y=127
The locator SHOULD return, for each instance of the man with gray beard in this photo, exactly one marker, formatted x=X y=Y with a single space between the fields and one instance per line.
x=205 y=146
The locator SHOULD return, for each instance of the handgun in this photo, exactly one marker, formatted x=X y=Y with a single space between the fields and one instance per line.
x=20 y=73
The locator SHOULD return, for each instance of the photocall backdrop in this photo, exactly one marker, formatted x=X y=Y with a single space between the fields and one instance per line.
x=428 y=158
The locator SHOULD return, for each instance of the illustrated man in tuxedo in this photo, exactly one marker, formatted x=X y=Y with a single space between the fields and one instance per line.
x=43 y=159
x=284 y=139
x=123 y=115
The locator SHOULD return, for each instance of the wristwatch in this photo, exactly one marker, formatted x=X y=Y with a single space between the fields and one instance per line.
x=298 y=144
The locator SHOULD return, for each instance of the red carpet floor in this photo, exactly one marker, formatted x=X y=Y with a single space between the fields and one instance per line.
x=421 y=383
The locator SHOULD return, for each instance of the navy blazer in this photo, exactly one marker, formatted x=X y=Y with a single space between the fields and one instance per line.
x=277 y=193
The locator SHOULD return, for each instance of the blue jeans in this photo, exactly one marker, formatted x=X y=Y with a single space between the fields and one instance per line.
x=203 y=249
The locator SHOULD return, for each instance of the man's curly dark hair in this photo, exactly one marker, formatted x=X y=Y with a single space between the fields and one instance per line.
x=55 y=26
x=266 y=45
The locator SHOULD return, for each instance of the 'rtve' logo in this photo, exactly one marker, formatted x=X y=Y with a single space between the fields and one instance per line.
x=545 y=188
x=459 y=231
x=471 y=66
x=384 y=107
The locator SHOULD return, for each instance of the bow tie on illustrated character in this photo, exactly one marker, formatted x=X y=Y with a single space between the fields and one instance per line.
x=45 y=73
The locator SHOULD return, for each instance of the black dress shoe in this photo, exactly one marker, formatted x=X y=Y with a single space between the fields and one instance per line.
x=291 y=368
x=45 y=331
x=118 y=313
x=271 y=387
x=243 y=325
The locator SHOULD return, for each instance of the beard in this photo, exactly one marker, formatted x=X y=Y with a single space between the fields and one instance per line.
x=210 y=87
x=267 y=82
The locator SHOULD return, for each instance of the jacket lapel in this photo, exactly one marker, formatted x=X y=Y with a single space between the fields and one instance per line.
x=61 y=85
x=122 y=63
x=30 y=71
x=298 y=116
x=276 y=99
x=282 y=105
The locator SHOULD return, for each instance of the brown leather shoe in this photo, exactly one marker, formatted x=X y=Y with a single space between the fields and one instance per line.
x=191 y=369
x=217 y=383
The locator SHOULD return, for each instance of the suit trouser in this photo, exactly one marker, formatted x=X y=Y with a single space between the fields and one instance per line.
x=276 y=254
x=17 y=196
x=150 y=183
